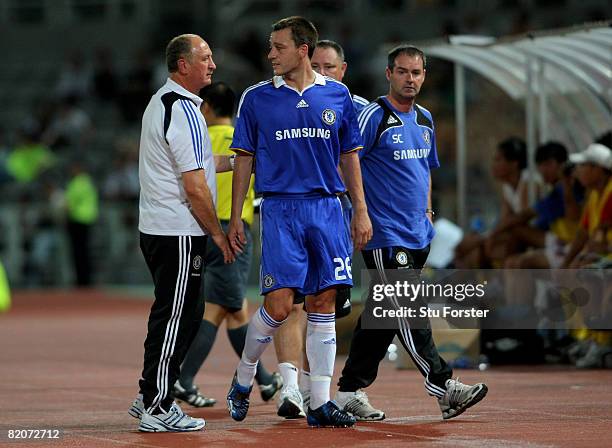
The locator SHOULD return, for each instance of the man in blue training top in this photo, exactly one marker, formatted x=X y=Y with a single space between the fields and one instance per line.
x=399 y=152
x=299 y=126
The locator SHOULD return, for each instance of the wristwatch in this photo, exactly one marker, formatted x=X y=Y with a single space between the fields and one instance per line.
x=430 y=210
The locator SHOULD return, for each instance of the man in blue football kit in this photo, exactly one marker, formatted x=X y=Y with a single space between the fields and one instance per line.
x=328 y=60
x=299 y=126
x=399 y=152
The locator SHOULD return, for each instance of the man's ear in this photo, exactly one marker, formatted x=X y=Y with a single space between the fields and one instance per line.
x=183 y=67
x=303 y=49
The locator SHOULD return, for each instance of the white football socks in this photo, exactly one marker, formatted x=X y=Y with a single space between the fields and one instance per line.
x=321 y=351
x=259 y=334
x=289 y=373
x=304 y=383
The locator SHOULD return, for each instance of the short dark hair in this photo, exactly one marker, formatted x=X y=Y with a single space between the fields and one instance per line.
x=220 y=97
x=179 y=47
x=303 y=32
x=551 y=151
x=514 y=149
x=409 y=50
x=326 y=43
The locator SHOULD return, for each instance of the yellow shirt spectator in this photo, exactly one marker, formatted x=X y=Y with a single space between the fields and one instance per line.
x=221 y=138
x=27 y=161
x=82 y=199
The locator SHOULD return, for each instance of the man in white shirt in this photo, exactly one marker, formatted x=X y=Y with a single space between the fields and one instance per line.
x=177 y=213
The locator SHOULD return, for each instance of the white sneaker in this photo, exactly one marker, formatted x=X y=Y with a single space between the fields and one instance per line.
x=173 y=421
x=290 y=404
x=459 y=397
x=137 y=408
x=357 y=403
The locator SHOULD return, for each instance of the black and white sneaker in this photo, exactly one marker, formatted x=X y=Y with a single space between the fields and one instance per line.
x=459 y=397
x=192 y=396
x=268 y=391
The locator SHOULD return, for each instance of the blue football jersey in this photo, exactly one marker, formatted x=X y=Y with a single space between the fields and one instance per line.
x=399 y=151
x=297 y=138
x=359 y=102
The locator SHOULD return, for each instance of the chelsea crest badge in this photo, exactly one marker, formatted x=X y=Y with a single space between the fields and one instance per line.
x=329 y=116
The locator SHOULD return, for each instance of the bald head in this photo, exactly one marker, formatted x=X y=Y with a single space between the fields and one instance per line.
x=179 y=47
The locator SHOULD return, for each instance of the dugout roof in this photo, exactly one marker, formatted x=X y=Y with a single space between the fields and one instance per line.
x=564 y=77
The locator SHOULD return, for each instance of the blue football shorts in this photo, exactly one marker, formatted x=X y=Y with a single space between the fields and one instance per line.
x=305 y=244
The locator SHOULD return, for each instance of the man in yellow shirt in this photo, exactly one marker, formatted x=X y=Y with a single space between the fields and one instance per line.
x=82 y=210
x=224 y=284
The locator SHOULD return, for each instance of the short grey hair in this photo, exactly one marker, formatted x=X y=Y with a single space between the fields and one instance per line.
x=179 y=47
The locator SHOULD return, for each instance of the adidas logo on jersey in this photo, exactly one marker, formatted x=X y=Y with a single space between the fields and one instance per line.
x=302 y=103
x=392 y=120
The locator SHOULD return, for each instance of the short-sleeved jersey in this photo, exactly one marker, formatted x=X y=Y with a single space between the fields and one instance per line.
x=399 y=151
x=296 y=138
x=173 y=140
x=220 y=139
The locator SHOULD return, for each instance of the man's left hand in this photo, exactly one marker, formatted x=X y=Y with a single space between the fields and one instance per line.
x=361 y=229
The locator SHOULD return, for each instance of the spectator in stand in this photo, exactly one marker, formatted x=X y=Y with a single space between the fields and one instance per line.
x=29 y=158
x=508 y=167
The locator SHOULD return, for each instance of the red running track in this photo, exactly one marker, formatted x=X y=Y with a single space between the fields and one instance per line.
x=70 y=360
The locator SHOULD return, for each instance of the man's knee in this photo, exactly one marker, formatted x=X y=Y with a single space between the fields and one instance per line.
x=214 y=313
x=278 y=304
x=324 y=302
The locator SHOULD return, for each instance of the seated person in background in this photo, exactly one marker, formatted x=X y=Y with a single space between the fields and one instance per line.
x=508 y=167
x=594 y=236
x=556 y=221
x=592 y=248
x=556 y=215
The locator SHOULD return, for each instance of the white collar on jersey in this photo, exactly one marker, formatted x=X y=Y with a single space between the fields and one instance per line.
x=279 y=81
x=173 y=85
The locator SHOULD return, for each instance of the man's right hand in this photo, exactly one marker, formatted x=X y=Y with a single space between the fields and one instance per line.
x=236 y=236
x=222 y=243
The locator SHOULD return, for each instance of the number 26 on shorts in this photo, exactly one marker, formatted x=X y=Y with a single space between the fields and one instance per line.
x=343 y=268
